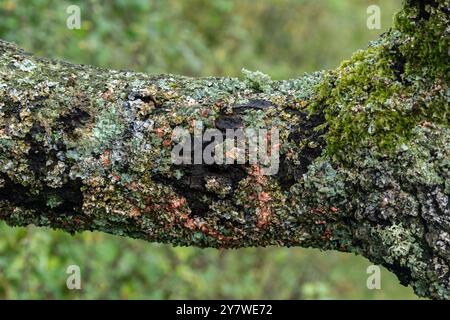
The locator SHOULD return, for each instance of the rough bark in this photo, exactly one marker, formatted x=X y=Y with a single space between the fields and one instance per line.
x=364 y=164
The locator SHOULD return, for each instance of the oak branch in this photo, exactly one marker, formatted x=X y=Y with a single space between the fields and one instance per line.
x=363 y=153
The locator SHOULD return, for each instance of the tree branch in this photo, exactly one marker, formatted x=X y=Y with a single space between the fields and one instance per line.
x=364 y=153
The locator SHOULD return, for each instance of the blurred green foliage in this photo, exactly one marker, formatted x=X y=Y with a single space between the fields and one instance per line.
x=283 y=38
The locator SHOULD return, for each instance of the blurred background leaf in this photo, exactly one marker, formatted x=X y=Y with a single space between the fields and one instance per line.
x=283 y=38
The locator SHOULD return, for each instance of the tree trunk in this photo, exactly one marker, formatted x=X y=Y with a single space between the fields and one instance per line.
x=363 y=153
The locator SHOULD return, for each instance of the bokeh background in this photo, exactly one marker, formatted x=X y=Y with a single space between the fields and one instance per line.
x=283 y=38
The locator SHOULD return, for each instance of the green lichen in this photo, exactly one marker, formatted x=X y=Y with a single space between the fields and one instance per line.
x=54 y=201
x=108 y=127
x=257 y=80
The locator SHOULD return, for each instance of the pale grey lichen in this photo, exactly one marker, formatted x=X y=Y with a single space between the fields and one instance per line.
x=257 y=80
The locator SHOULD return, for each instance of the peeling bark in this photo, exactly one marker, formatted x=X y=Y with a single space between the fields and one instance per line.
x=364 y=153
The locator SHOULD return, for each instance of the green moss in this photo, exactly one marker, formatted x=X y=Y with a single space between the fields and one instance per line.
x=379 y=95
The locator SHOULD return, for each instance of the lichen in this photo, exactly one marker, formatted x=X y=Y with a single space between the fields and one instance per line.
x=257 y=80
x=54 y=201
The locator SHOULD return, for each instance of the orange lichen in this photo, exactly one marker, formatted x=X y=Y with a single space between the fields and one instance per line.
x=205 y=113
x=159 y=132
x=256 y=172
x=263 y=214
x=264 y=197
x=135 y=212
x=105 y=158
x=327 y=234
x=107 y=94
